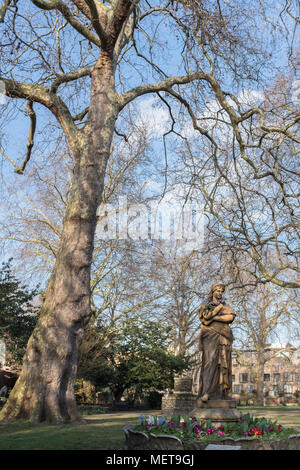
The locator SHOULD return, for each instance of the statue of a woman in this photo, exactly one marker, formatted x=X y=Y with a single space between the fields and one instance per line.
x=216 y=345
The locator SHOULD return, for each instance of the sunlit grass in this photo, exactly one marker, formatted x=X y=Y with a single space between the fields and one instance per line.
x=102 y=431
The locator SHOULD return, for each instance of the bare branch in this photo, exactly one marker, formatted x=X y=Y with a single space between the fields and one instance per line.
x=164 y=85
x=30 y=140
x=3 y=9
x=69 y=77
x=40 y=94
x=67 y=14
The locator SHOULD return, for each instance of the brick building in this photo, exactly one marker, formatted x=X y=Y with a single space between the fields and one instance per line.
x=281 y=373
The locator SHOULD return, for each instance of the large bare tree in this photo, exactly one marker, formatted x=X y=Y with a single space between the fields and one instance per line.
x=45 y=388
x=50 y=49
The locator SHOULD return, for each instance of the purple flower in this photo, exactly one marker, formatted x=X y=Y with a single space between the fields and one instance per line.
x=246 y=433
x=210 y=431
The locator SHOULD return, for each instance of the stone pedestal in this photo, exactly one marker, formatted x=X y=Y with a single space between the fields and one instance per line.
x=181 y=400
x=218 y=411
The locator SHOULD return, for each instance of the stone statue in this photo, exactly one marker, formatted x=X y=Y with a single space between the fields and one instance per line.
x=216 y=344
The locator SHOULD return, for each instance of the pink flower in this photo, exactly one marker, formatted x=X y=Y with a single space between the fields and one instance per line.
x=220 y=433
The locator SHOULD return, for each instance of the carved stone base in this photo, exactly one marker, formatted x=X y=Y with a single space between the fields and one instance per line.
x=218 y=411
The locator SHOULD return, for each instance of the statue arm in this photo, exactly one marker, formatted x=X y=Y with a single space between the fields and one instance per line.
x=227 y=318
x=207 y=316
x=224 y=314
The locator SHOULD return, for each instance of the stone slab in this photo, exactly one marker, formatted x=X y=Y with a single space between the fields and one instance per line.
x=183 y=384
x=221 y=447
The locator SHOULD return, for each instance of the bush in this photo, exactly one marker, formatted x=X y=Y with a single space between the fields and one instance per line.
x=2 y=401
x=154 y=400
x=85 y=391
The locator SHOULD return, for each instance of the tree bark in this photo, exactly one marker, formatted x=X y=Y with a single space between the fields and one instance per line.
x=260 y=378
x=44 y=390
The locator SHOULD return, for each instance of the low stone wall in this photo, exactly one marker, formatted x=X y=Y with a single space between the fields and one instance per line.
x=178 y=403
x=137 y=440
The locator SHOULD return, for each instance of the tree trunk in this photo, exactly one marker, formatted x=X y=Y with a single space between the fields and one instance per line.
x=260 y=380
x=44 y=390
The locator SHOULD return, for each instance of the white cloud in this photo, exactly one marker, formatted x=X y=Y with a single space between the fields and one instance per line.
x=153 y=117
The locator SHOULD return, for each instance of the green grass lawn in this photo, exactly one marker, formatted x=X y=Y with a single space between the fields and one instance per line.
x=102 y=431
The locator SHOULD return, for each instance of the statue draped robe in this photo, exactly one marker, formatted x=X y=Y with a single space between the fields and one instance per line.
x=216 y=345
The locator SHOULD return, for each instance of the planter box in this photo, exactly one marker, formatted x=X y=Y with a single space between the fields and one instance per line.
x=138 y=440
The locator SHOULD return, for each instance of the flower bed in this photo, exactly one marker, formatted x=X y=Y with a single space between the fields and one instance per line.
x=190 y=433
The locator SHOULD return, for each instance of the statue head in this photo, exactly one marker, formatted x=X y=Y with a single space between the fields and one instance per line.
x=217 y=289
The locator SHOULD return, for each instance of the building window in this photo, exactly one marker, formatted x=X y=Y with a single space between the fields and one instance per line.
x=287 y=388
x=276 y=388
x=243 y=378
x=233 y=378
x=251 y=388
x=297 y=377
x=236 y=389
x=266 y=377
x=248 y=354
x=276 y=377
x=288 y=377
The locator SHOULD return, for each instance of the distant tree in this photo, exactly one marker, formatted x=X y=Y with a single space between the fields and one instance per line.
x=262 y=316
x=137 y=360
x=18 y=315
